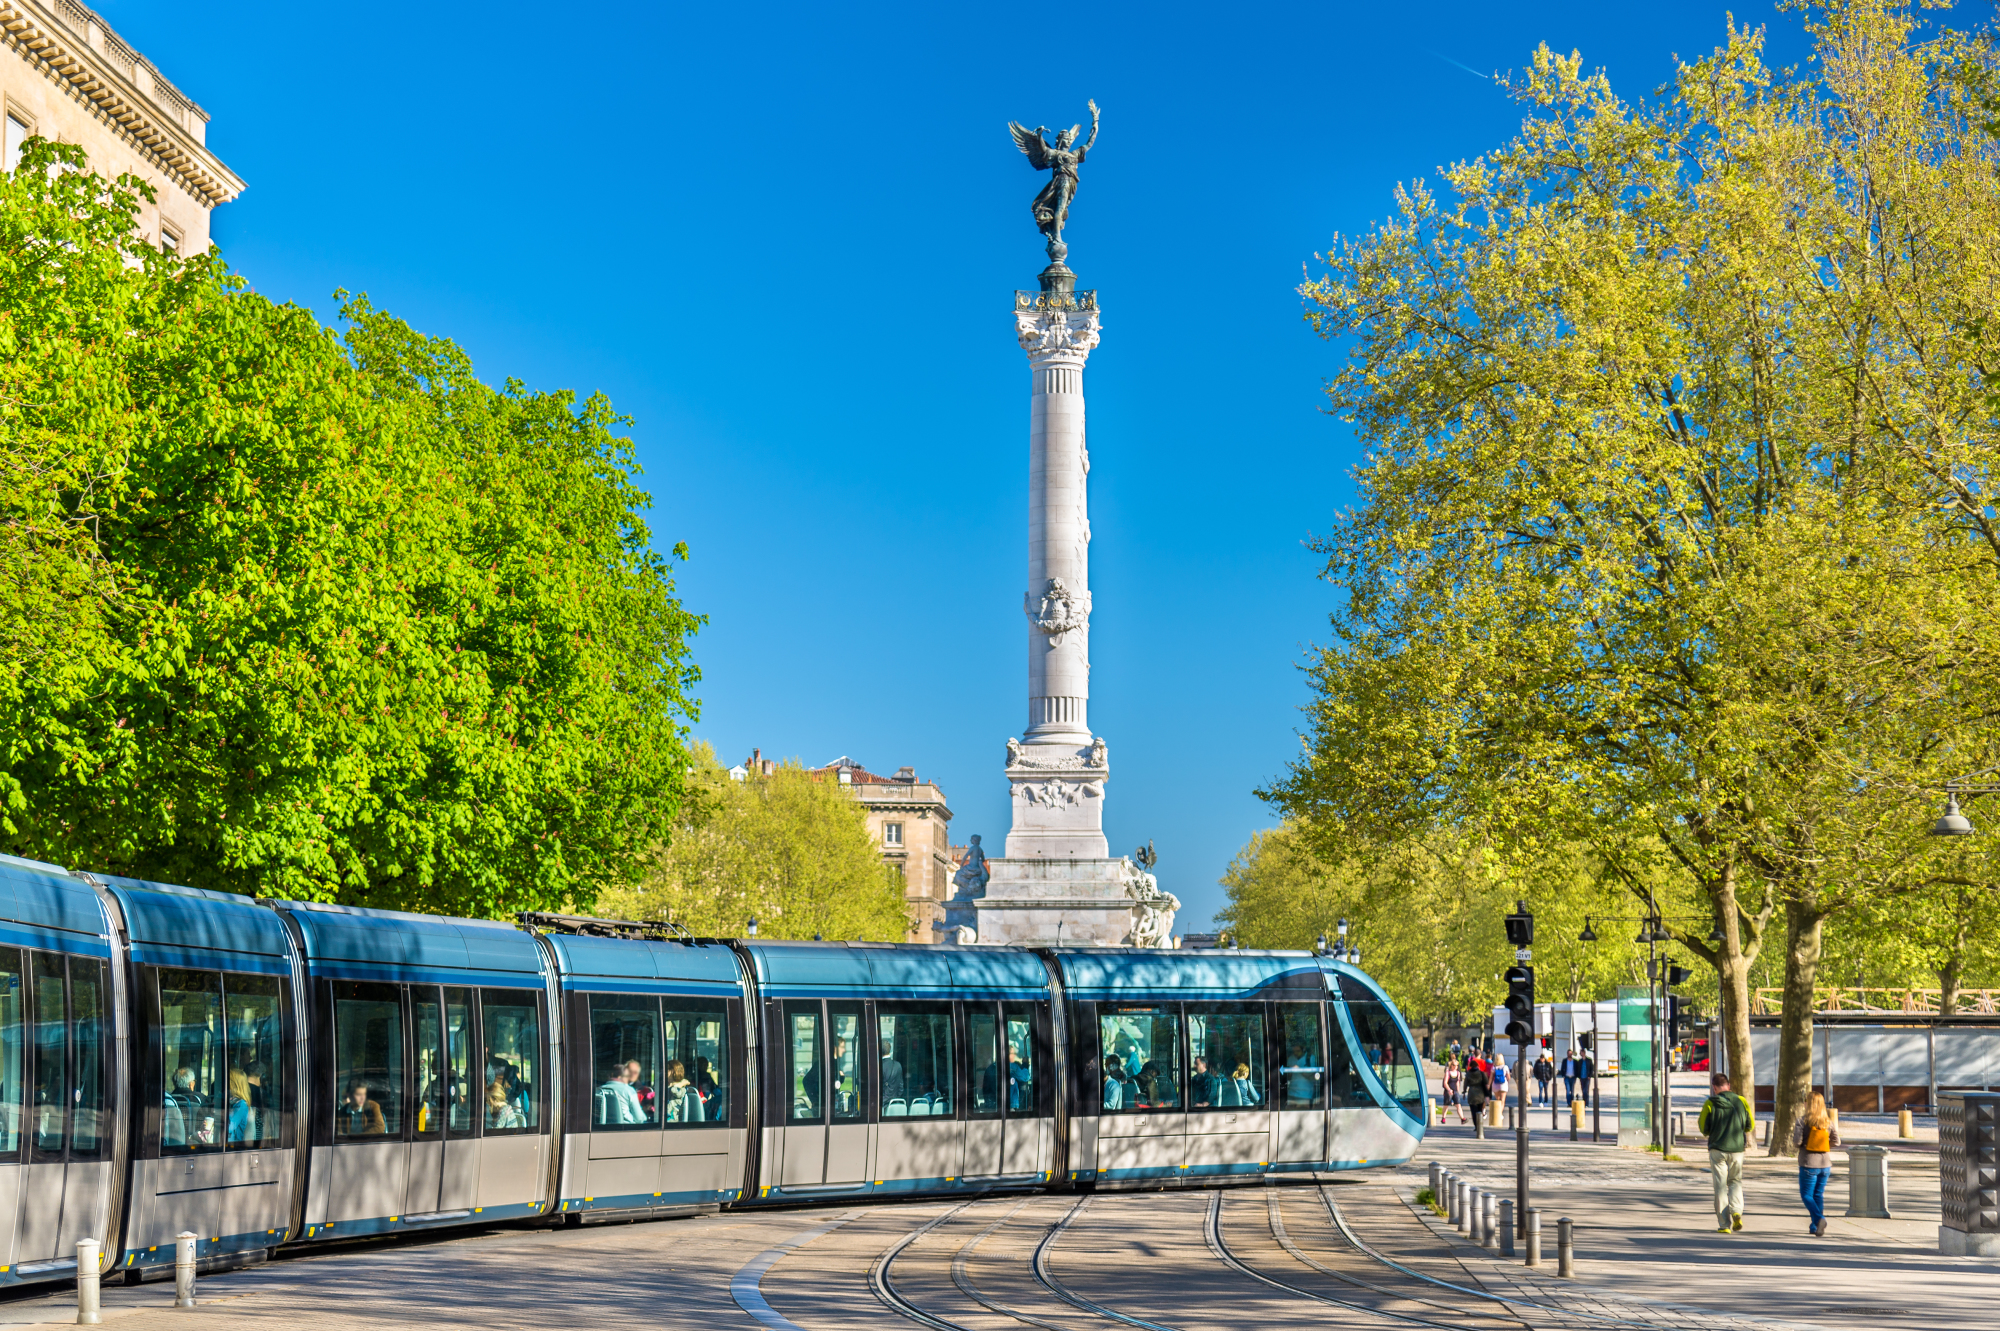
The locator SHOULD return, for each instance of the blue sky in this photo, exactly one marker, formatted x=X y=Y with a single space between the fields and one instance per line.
x=784 y=240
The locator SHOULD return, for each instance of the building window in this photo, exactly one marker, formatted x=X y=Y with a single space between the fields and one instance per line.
x=17 y=134
x=892 y=834
x=170 y=240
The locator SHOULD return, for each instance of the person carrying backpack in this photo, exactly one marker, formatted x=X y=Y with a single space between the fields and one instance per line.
x=1726 y=1120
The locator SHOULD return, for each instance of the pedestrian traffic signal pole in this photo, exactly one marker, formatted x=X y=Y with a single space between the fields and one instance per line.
x=1521 y=1030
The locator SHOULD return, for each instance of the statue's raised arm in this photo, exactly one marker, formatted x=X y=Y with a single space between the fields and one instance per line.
x=1084 y=151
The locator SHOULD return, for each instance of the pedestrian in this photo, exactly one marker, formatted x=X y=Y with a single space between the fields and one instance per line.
x=1586 y=1075
x=1454 y=1079
x=1726 y=1120
x=1498 y=1075
x=1545 y=1077
x=1478 y=1090
x=1568 y=1070
x=1456 y=1052
x=1816 y=1138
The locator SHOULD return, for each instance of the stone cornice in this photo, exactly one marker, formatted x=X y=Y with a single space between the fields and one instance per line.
x=98 y=74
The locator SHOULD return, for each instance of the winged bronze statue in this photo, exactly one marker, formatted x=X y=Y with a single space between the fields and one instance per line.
x=1060 y=159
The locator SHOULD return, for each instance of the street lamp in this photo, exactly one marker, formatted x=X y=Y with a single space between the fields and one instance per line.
x=1589 y=935
x=1952 y=823
x=753 y=926
x=1320 y=946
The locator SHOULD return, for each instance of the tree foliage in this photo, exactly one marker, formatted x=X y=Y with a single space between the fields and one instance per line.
x=790 y=850
x=1425 y=914
x=335 y=620
x=1676 y=525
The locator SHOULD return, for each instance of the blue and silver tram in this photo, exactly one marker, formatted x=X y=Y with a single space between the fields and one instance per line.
x=280 y=1073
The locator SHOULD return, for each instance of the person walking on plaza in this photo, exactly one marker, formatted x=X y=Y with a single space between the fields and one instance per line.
x=1569 y=1077
x=1498 y=1076
x=1726 y=1120
x=1478 y=1090
x=1545 y=1077
x=1454 y=1080
x=1816 y=1138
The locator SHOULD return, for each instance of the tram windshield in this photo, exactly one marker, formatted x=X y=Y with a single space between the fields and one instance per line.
x=1383 y=1047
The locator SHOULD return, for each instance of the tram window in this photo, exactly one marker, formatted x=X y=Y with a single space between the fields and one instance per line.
x=1142 y=1058
x=850 y=1076
x=511 y=1020
x=919 y=1076
x=1303 y=1072
x=1382 y=1045
x=1226 y=1056
x=696 y=1087
x=10 y=1053
x=982 y=1035
x=427 y=1033
x=190 y=1061
x=625 y=1058
x=254 y=1026
x=87 y=1032
x=1019 y=1022
x=804 y=1076
x=1344 y=1087
x=459 y=1092
x=48 y=1113
x=367 y=1060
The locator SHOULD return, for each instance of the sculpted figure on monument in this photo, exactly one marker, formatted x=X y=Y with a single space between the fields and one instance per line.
x=971 y=877
x=1060 y=159
x=1060 y=614
x=1153 y=920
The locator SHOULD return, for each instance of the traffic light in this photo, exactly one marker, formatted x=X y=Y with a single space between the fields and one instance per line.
x=1520 y=1003
x=1676 y=975
x=1521 y=926
x=1675 y=1004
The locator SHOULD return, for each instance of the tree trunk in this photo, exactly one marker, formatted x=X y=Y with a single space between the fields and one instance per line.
x=1952 y=975
x=1804 y=939
x=1732 y=971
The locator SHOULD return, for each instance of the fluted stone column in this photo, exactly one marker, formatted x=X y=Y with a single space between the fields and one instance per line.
x=1057 y=769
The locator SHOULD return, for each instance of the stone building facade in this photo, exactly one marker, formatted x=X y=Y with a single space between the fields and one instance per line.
x=72 y=79
x=911 y=822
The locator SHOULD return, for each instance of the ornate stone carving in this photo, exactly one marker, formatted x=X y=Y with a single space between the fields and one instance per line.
x=1098 y=755
x=972 y=874
x=1059 y=614
x=1061 y=160
x=1153 y=919
x=1057 y=793
x=1053 y=332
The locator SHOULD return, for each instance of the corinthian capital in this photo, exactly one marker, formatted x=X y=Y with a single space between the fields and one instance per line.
x=1056 y=334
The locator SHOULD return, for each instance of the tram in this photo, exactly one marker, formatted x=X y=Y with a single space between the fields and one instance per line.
x=274 y=1073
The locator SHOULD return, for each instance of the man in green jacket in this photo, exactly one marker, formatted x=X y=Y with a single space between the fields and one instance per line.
x=1726 y=1120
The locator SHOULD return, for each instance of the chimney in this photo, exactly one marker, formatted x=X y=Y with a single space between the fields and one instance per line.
x=907 y=774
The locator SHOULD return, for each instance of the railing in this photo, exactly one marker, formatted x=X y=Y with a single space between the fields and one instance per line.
x=79 y=21
x=1854 y=998
x=1055 y=300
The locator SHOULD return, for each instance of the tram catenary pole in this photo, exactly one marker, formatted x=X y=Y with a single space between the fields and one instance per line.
x=1521 y=1030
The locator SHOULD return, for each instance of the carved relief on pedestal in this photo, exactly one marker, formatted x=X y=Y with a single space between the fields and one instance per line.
x=1057 y=793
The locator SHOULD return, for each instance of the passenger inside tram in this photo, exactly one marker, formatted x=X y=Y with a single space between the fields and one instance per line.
x=1202 y=1085
x=359 y=1116
x=241 y=1115
x=1302 y=1074
x=500 y=1112
x=683 y=1102
x=617 y=1103
x=1117 y=1085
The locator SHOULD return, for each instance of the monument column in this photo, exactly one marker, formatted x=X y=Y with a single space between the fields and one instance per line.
x=1058 y=882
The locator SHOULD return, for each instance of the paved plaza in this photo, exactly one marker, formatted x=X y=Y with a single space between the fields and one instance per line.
x=1342 y=1250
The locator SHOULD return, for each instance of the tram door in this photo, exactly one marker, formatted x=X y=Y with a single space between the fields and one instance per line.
x=61 y=1135
x=1003 y=1131
x=444 y=1155
x=1301 y=1083
x=826 y=1123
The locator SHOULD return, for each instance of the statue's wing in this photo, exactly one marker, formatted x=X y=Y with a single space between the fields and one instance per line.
x=1030 y=142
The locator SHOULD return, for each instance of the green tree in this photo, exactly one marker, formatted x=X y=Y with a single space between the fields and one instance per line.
x=371 y=631
x=1426 y=913
x=1680 y=436
x=790 y=850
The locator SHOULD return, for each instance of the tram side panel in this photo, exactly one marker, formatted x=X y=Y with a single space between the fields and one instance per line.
x=433 y=1066
x=214 y=1144
x=57 y=1167
x=656 y=1116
